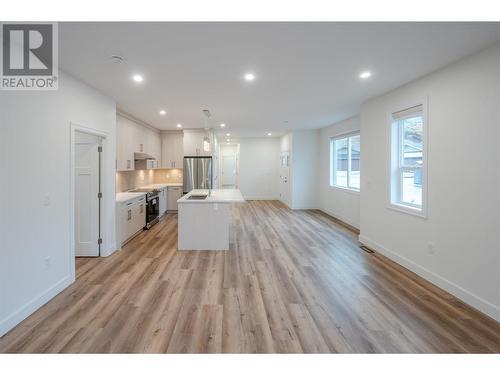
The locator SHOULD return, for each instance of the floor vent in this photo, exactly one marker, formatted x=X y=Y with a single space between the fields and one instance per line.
x=366 y=249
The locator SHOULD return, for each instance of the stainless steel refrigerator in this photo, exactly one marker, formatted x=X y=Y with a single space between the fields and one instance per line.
x=197 y=173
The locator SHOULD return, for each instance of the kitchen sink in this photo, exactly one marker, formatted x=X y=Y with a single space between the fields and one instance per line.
x=197 y=196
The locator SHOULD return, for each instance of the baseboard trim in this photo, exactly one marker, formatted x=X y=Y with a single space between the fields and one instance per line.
x=304 y=208
x=348 y=223
x=30 y=307
x=257 y=198
x=110 y=250
x=464 y=295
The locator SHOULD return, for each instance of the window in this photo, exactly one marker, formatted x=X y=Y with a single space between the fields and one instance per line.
x=408 y=159
x=344 y=162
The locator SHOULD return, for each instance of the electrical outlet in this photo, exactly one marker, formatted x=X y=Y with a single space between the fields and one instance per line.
x=431 y=248
x=47 y=262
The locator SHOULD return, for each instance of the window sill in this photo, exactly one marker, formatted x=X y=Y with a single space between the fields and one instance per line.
x=408 y=210
x=345 y=189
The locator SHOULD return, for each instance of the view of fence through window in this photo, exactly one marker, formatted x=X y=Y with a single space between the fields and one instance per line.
x=411 y=160
x=346 y=162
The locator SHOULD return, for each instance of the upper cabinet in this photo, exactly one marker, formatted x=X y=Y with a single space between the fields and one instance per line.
x=133 y=137
x=195 y=142
x=153 y=145
x=172 y=149
x=124 y=144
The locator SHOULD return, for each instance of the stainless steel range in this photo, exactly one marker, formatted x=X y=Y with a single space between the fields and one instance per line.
x=152 y=205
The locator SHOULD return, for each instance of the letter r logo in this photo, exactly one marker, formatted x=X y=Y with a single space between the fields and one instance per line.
x=27 y=49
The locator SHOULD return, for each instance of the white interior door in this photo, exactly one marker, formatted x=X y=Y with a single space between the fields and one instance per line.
x=86 y=194
x=284 y=177
x=228 y=171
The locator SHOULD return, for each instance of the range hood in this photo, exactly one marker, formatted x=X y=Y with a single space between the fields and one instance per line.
x=143 y=156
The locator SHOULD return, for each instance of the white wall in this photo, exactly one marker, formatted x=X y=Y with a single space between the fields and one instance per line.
x=340 y=203
x=259 y=163
x=302 y=146
x=35 y=162
x=304 y=169
x=463 y=186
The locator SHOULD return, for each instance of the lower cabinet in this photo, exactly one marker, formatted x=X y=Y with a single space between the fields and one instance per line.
x=163 y=201
x=173 y=194
x=132 y=218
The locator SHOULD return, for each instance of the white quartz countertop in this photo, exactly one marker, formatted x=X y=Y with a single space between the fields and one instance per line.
x=216 y=196
x=161 y=186
x=126 y=196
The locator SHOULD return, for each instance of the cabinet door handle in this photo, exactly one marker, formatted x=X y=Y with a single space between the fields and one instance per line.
x=141 y=147
x=142 y=208
x=129 y=215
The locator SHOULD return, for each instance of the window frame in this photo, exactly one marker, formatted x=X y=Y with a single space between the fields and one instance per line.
x=333 y=161
x=396 y=166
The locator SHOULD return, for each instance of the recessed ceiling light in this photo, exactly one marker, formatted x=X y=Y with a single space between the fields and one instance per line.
x=179 y=125
x=228 y=134
x=269 y=134
x=137 y=78
x=163 y=112
x=249 y=77
x=222 y=125
x=365 y=75
x=227 y=143
x=228 y=140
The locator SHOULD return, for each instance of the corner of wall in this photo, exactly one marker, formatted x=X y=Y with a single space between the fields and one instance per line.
x=450 y=287
x=12 y=320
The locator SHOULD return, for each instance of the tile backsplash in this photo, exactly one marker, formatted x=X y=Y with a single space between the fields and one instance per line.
x=134 y=179
x=167 y=176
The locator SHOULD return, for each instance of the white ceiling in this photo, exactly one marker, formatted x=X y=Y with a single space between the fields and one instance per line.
x=307 y=73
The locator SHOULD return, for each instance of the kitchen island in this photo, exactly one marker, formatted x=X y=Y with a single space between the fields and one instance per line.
x=204 y=218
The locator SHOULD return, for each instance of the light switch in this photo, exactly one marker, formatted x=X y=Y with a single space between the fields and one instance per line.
x=46 y=199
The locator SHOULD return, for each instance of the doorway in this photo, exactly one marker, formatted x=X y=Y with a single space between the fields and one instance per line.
x=284 y=177
x=87 y=183
x=229 y=166
x=229 y=171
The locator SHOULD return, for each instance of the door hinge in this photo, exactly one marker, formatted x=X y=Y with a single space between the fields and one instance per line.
x=99 y=195
x=99 y=241
x=99 y=149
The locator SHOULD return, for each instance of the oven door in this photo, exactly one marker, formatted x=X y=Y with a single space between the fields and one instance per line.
x=152 y=210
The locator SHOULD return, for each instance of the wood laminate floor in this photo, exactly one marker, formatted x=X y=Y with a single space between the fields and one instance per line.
x=293 y=282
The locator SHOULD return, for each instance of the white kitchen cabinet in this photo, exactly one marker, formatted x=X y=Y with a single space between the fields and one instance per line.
x=193 y=142
x=163 y=201
x=173 y=194
x=132 y=218
x=124 y=144
x=153 y=145
x=133 y=137
x=172 y=150
x=139 y=215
